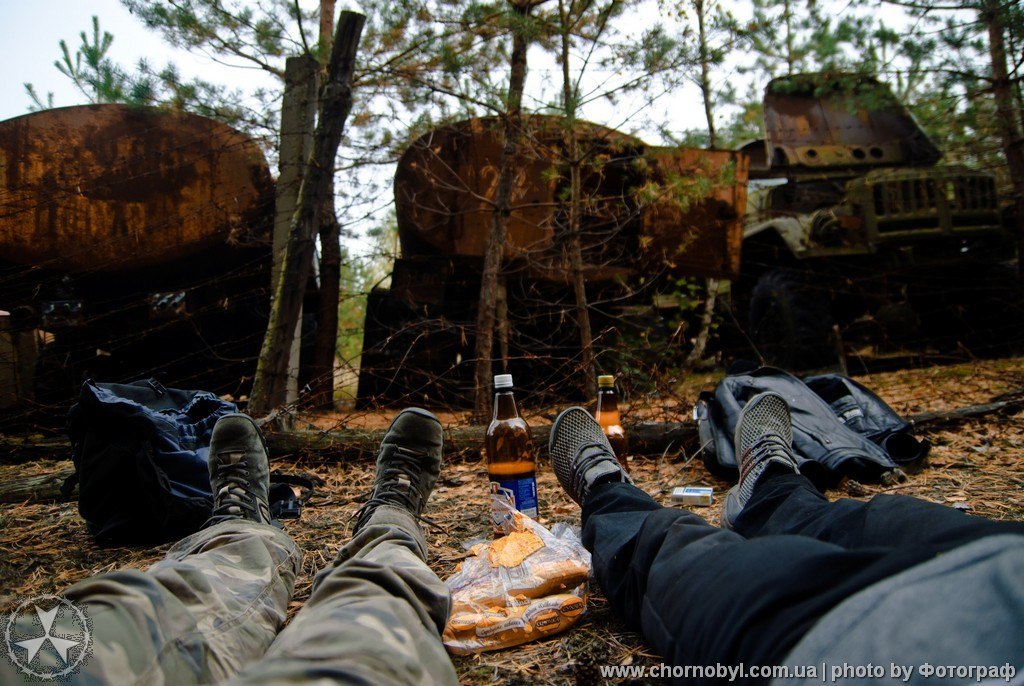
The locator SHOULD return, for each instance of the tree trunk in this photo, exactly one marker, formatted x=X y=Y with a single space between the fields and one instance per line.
x=579 y=285
x=298 y=117
x=705 y=70
x=485 y=322
x=787 y=16
x=700 y=343
x=1009 y=126
x=335 y=103
x=501 y=312
x=325 y=346
x=326 y=27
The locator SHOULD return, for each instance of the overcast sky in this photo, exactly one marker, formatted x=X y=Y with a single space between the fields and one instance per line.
x=33 y=30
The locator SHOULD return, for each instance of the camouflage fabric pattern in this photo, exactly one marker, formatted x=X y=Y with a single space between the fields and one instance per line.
x=212 y=606
x=375 y=616
x=211 y=611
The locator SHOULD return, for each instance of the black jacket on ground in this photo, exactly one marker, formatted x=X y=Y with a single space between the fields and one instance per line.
x=839 y=426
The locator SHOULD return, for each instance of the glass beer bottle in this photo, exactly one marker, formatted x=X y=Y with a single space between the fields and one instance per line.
x=511 y=458
x=607 y=416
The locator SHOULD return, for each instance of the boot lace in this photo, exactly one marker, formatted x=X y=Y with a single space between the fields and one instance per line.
x=234 y=496
x=767 y=449
x=397 y=484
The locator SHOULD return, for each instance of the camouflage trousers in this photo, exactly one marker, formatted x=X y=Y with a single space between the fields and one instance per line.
x=213 y=609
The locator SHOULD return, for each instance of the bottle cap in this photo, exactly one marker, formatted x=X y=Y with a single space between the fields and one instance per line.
x=502 y=381
x=606 y=381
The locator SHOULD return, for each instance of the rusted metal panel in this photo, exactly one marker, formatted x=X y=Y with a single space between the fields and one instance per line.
x=445 y=187
x=841 y=120
x=697 y=237
x=446 y=181
x=110 y=187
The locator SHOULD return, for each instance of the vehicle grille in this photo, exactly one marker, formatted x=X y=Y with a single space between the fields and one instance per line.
x=917 y=204
x=973 y=193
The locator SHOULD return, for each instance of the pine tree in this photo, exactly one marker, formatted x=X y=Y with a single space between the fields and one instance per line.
x=521 y=26
x=973 y=60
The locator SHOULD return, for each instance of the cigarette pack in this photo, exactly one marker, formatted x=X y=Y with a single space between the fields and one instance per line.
x=693 y=495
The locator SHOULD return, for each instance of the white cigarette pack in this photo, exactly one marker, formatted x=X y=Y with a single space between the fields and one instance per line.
x=693 y=495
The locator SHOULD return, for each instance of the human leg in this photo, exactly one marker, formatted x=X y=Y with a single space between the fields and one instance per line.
x=790 y=504
x=784 y=502
x=376 y=614
x=210 y=608
x=702 y=595
x=215 y=602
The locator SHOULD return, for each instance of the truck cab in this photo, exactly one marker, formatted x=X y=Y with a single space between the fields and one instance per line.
x=851 y=218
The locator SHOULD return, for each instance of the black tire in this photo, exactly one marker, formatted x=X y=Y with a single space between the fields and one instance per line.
x=790 y=321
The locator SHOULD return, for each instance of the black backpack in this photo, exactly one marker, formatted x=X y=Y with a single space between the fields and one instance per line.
x=140 y=453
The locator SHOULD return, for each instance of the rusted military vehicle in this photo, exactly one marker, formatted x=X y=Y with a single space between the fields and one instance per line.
x=649 y=215
x=852 y=222
x=133 y=243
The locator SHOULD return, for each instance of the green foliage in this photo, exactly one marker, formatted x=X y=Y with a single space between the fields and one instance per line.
x=651 y=63
x=100 y=80
x=652 y=341
x=793 y=36
x=744 y=125
x=945 y=77
x=91 y=70
x=259 y=32
x=358 y=276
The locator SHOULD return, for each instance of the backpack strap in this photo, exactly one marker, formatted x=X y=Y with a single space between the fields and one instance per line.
x=284 y=504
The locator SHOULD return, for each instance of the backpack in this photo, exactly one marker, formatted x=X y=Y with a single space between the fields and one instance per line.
x=140 y=452
x=839 y=426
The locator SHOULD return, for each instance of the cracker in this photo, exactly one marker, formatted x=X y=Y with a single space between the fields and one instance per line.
x=511 y=550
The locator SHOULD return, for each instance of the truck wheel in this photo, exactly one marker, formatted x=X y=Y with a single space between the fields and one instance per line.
x=790 y=322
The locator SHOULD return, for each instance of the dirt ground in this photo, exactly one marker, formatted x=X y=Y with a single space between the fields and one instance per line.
x=976 y=465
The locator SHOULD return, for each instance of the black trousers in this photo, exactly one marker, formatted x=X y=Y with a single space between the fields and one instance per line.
x=702 y=595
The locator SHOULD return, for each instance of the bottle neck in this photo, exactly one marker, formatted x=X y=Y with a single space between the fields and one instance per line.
x=505 y=405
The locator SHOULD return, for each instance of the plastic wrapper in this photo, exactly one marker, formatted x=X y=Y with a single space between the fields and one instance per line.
x=526 y=585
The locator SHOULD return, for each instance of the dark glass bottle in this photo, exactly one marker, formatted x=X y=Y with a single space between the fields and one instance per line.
x=607 y=416
x=511 y=457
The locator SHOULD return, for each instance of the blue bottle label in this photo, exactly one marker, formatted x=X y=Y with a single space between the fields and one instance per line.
x=523 y=493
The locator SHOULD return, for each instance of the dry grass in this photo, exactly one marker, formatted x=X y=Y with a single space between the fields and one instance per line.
x=977 y=465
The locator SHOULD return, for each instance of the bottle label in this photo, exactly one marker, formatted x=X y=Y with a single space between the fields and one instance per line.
x=523 y=493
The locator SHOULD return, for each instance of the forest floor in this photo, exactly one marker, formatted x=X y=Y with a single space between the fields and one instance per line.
x=976 y=465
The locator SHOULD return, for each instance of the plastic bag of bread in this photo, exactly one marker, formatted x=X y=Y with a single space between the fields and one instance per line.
x=526 y=585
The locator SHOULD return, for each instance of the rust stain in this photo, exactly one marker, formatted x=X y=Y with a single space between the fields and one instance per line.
x=107 y=187
x=840 y=120
x=702 y=235
x=447 y=180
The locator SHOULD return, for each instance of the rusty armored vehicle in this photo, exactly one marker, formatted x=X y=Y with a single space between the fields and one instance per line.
x=641 y=227
x=134 y=242
x=854 y=227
